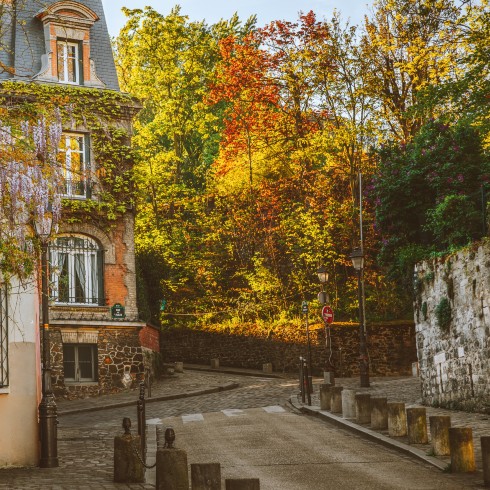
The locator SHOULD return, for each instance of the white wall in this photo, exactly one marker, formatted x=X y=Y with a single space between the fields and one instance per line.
x=19 y=432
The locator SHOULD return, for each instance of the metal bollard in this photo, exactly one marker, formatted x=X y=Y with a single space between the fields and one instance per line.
x=417 y=426
x=379 y=413
x=140 y=409
x=485 y=453
x=306 y=380
x=128 y=467
x=462 y=451
x=439 y=434
x=302 y=381
x=206 y=476
x=242 y=484
x=397 y=420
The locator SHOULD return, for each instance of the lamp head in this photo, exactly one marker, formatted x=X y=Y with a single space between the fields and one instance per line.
x=322 y=274
x=357 y=257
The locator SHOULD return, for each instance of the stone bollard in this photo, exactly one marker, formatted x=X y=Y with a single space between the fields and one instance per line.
x=127 y=466
x=379 y=413
x=336 y=399
x=267 y=368
x=206 y=476
x=417 y=425
x=439 y=434
x=328 y=378
x=242 y=484
x=485 y=454
x=179 y=367
x=349 y=404
x=171 y=472
x=397 y=420
x=363 y=408
x=462 y=450
x=325 y=397
x=214 y=363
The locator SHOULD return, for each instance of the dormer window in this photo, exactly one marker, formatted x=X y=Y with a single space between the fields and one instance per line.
x=67 y=35
x=68 y=62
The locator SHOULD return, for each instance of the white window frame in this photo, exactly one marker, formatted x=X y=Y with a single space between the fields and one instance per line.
x=70 y=178
x=87 y=257
x=65 y=45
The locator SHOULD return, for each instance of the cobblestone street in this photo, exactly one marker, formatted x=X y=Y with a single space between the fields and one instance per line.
x=87 y=427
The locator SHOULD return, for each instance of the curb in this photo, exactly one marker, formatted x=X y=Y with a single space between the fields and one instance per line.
x=225 y=387
x=258 y=374
x=369 y=434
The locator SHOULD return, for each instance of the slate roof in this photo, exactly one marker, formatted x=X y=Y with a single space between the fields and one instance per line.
x=23 y=39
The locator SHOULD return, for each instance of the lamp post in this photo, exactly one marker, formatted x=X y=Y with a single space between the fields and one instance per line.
x=47 y=408
x=323 y=299
x=357 y=258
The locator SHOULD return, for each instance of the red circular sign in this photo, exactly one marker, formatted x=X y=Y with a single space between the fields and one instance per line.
x=327 y=314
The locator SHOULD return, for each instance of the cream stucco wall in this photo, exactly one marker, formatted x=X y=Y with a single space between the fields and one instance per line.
x=19 y=432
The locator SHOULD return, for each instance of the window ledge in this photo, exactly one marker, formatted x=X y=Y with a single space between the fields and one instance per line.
x=5 y=390
x=69 y=384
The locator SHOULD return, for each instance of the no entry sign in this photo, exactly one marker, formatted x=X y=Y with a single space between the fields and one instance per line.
x=327 y=314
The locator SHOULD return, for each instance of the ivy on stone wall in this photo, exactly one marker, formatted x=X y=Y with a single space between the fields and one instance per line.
x=443 y=314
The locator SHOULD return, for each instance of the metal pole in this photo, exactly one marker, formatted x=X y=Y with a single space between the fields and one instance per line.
x=363 y=357
x=310 y=376
x=140 y=405
x=47 y=408
x=307 y=387
x=302 y=379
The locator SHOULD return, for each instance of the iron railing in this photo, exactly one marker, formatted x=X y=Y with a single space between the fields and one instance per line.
x=4 y=339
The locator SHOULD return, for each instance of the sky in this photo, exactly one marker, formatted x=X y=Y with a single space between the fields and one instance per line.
x=214 y=10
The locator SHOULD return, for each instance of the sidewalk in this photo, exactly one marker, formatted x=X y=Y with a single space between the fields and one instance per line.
x=168 y=387
x=406 y=390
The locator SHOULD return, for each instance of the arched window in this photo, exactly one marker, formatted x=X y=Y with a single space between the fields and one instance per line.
x=76 y=271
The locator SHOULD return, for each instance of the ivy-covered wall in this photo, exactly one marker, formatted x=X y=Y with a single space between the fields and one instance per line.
x=452 y=315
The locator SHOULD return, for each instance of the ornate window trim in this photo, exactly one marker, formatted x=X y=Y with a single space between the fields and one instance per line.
x=71 y=22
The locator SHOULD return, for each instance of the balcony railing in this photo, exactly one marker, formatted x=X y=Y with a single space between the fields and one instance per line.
x=77 y=188
x=4 y=339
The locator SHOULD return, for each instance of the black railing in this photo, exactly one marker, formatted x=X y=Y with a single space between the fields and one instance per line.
x=4 y=339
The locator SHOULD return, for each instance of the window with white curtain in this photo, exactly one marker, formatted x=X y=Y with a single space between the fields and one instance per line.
x=76 y=271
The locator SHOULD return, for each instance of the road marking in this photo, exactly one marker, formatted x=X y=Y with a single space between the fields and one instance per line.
x=233 y=412
x=274 y=409
x=193 y=417
x=153 y=421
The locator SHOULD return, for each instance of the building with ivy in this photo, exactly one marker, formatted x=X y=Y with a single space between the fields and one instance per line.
x=58 y=56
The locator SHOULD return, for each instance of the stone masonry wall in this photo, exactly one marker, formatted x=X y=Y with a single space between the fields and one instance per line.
x=454 y=359
x=118 y=352
x=391 y=348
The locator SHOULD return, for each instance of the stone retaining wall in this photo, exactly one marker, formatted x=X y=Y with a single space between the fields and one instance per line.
x=454 y=349
x=391 y=348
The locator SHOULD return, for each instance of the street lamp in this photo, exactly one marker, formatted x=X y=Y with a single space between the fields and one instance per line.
x=47 y=408
x=323 y=299
x=357 y=258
